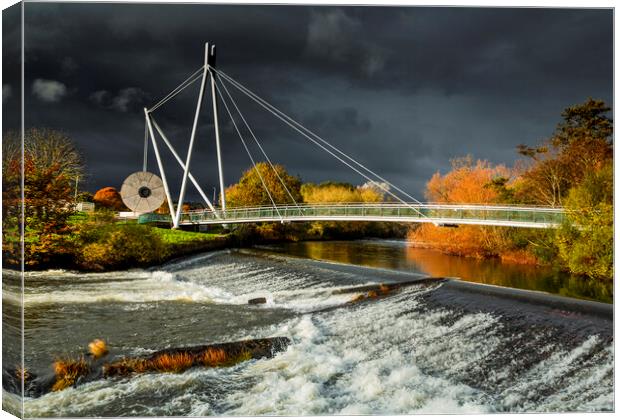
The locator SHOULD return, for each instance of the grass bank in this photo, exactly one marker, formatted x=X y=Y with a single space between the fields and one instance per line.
x=118 y=246
x=180 y=243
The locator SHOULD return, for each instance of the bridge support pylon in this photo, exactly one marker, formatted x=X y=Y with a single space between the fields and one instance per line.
x=210 y=62
x=208 y=70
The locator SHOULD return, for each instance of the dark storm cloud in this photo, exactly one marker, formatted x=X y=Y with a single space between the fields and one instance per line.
x=401 y=89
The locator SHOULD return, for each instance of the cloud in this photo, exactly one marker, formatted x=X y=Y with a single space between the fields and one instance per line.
x=126 y=99
x=331 y=34
x=337 y=37
x=440 y=81
x=100 y=97
x=49 y=90
x=69 y=65
x=343 y=120
x=6 y=92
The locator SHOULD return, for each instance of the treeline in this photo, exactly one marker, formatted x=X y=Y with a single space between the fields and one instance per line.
x=571 y=169
x=265 y=184
x=57 y=236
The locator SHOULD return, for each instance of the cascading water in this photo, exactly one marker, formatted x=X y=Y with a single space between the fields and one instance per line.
x=424 y=349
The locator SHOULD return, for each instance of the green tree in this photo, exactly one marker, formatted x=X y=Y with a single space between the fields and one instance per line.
x=250 y=191
x=586 y=242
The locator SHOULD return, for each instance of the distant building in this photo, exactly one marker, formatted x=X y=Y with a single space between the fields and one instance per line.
x=85 y=206
x=129 y=214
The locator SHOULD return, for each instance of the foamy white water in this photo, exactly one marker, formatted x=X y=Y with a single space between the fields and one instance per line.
x=402 y=354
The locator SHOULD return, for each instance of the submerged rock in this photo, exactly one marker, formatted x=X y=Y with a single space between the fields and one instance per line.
x=257 y=301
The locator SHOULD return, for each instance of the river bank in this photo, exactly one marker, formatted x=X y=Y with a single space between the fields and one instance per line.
x=424 y=349
x=99 y=243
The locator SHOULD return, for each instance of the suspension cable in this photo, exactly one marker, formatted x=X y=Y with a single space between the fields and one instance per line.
x=257 y=98
x=220 y=83
x=187 y=82
x=268 y=107
x=249 y=154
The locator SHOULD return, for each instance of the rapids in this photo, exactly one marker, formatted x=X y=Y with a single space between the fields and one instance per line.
x=425 y=349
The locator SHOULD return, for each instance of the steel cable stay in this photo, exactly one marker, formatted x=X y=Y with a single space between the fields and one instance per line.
x=172 y=95
x=249 y=154
x=187 y=82
x=298 y=127
x=220 y=83
x=274 y=109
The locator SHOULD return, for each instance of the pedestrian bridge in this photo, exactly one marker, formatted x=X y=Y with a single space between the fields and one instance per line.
x=438 y=214
x=397 y=205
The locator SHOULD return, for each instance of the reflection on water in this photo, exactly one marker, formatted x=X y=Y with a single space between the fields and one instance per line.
x=400 y=256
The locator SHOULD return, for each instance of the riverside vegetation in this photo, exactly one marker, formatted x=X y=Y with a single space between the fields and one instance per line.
x=573 y=168
x=57 y=236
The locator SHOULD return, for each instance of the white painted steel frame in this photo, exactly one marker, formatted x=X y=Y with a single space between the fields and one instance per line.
x=159 y=163
x=206 y=72
x=218 y=149
x=178 y=158
x=190 y=149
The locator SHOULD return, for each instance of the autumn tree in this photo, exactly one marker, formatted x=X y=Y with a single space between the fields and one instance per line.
x=340 y=192
x=475 y=182
x=250 y=190
x=51 y=163
x=467 y=182
x=580 y=144
x=110 y=198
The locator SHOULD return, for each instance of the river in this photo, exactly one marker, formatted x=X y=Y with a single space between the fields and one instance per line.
x=427 y=349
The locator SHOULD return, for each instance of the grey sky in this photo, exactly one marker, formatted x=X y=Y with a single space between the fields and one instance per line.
x=403 y=89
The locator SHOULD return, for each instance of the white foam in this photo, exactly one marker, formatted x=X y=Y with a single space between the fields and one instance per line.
x=155 y=287
x=386 y=356
x=350 y=363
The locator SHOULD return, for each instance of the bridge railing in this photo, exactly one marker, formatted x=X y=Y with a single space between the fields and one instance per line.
x=392 y=211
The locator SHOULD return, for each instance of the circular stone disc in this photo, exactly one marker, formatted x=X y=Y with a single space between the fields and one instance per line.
x=143 y=192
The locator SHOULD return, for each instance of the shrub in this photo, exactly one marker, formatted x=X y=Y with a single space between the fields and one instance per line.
x=109 y=197
x=68 y=371
x=115 y=246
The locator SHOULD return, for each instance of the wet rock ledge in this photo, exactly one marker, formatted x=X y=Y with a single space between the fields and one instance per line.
x=97 y=364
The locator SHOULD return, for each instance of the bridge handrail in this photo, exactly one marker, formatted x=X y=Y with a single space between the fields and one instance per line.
x=441 y=206
x=427 y=212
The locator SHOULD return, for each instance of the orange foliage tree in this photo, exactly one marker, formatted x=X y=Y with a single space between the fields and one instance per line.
x=336 y=192
x=109 y=198
x=580 y=146
x=467 y=182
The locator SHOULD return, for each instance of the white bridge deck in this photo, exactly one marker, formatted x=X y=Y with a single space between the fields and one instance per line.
x=438 y=214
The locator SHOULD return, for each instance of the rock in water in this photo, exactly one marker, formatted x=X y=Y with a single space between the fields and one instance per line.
x=257 y=301
x=179 y=359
